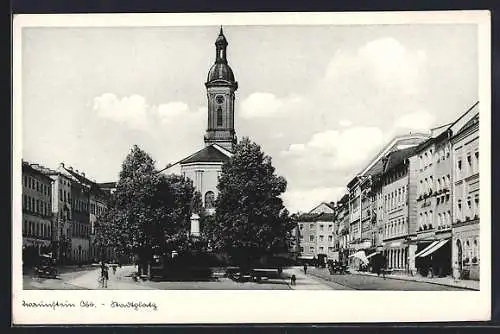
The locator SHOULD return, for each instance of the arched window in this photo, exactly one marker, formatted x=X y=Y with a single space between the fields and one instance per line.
x=209 y=200
x=219 y=116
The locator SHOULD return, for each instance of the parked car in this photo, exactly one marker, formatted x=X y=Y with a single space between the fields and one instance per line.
x=45 y=267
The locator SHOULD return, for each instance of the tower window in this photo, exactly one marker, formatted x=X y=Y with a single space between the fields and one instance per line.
x=219 y=116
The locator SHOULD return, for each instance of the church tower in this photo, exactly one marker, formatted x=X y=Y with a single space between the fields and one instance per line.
x=221 y=87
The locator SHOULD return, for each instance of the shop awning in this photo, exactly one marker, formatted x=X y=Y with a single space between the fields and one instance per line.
x=372 y=255
x=433 y=249
x=306 y=257
x=360 y=255
x=434 y=243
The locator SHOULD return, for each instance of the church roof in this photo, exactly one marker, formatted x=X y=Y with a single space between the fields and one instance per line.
x=220 y=71
x=211 y=153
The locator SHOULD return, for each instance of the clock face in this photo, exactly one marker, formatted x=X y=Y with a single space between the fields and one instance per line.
x=219 y=99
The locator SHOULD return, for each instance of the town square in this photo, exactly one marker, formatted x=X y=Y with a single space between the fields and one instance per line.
x=235 y=158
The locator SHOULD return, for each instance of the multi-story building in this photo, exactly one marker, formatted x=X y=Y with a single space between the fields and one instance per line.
x=378 y=212
x=342 y=223
x=435 y=200
x=76 y=202
x=316 y=235
x=62 y=212
x=465 y=191
x=37 y=214
x=89 y=201
x=397 y=208
x=363 y=224
x=98 y=199
x=434 y=204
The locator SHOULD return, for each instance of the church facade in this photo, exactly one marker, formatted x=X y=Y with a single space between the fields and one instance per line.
x=204 y=166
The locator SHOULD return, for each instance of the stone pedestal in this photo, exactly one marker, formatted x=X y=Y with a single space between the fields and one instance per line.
x=195 y=224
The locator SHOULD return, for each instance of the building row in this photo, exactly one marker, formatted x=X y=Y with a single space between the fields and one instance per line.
x=416 y=202
x=59 y=211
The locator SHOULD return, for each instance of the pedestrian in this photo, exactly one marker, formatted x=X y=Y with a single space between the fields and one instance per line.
x=384 y=265
x=305 y=268
x=104 y=275
x=293 y=280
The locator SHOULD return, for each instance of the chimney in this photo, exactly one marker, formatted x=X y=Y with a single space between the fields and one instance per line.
x=83 y=174
x=61 y=165
x=70 y=168
x=77 y=172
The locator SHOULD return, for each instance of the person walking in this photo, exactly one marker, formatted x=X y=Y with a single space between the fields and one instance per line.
x=104 y=275
x=305 y=268
x=384 y=265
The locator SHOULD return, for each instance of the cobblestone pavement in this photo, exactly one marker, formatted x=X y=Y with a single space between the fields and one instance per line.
x=363 y=282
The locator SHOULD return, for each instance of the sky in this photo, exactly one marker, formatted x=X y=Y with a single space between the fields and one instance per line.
x=320 y=100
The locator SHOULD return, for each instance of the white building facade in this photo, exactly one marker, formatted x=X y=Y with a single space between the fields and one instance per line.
x=465 y=226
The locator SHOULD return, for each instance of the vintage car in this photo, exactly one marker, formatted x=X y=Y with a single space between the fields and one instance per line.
x=45 y=267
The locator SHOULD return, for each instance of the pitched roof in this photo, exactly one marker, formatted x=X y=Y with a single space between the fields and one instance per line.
x=329 y=205
x=397 y=157
x=107 y=185
x=376 y=166
x=209 y=153
x=315 y=217
x=34 y=168
x=83 y=180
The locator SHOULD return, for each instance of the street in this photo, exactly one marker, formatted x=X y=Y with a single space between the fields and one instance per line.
x=60 y=283
x=316 y=279
x=364 y=282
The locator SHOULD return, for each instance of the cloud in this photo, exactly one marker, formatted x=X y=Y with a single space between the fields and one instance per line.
x=265 y=105
x=392 y=64
x=306 y=199
x=418 y=120
x=131 y=110
x=174 y=112
x=333 y=150
x=170 y=111
x=381 y=77
x=135 y=113
x=345 y=123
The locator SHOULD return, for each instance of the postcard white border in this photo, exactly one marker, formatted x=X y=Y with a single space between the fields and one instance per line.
x=199 y=307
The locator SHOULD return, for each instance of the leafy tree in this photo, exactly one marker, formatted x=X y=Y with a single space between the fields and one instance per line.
x=250 y=220
x=149 y=212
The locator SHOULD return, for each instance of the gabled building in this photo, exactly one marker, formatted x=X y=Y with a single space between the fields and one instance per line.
x=465 y=191
x=435 y=199
x=88 y=201
x=37 y=219
x=397 y=208
x=315 y=233
x=342 y=222
x=362 y=228
x=324 y=208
